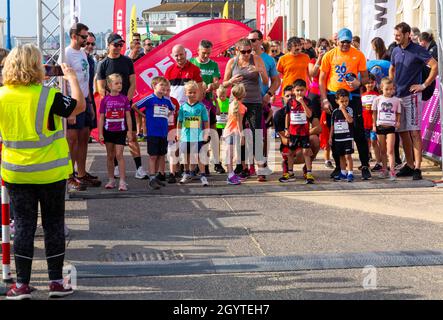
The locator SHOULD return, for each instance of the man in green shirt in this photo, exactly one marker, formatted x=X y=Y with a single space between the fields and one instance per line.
x=209 y=68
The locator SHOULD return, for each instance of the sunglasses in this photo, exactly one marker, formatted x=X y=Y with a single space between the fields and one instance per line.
x=90 y=43
x=253 y=40
x=83 y=37
x=118 y=45
x=274 y=51
x=246 y=51
x=345 y=42
x=149 y=44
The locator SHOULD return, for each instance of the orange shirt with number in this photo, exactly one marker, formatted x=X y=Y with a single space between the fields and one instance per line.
x=338 y=64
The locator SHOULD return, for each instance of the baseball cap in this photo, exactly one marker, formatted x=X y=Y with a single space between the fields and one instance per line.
x=345 y=35
x=115 y=38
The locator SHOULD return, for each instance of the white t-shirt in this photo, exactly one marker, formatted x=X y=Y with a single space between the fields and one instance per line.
x=78 y=61
x=387 y=110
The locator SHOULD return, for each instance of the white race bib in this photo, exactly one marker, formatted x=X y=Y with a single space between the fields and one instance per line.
x=387 y=117
x=298 y=118
x=161 y=112
x=341 y=127
x=222 y=118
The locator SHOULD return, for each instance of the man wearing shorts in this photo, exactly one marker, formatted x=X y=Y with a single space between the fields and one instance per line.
x=407 y=63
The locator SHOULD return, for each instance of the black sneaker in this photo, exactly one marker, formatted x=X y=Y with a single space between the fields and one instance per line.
x=406 y=171
x=159 y=182
x=161 y=177
x=172 y=179
x=365 y=173
x=377 y=168
x=238 y=169
x=335 y=173
x=416 y=176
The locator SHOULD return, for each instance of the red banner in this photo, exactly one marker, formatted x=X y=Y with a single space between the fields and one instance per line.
x=222 y=33
x=120 y=19
x=261 y=16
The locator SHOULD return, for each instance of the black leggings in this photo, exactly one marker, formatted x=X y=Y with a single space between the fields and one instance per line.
x=359 y=131
x=25 y=199
x=253 y=121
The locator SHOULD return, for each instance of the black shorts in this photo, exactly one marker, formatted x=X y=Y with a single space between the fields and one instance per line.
x=383 y=131
x=343 y=148
x=117 y=137
x=83 y=120
x=296 y=142
x=157 y=146
x=134 y=121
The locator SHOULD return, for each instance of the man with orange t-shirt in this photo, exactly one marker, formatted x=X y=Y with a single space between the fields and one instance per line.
x=339 y=70
x=295 y=64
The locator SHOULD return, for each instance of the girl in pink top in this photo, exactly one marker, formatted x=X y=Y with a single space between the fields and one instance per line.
x=386 y=119
x=233 y=132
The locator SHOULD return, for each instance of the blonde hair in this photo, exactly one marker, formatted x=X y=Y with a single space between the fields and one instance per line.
x=386 y=81
x=23 y=66
x=158 y=80
x=191 y=85
x=238 y=91
x=113 y=77
x=221 y=90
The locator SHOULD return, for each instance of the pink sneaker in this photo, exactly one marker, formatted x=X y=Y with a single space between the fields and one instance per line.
x=24 y=293
x=252 y=171
x=123 y=186
x=110 y=185
x=57 y=290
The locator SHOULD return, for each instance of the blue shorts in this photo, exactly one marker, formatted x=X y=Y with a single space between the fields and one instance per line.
x=370 y=135
x=84 y=120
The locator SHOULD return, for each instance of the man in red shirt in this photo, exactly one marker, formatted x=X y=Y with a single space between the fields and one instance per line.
x=181 y=72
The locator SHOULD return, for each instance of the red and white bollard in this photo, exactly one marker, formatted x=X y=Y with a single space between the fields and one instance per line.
x=6 y=236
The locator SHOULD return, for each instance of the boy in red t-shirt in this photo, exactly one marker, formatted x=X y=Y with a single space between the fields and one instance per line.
x=298 y=112
x=367 y=99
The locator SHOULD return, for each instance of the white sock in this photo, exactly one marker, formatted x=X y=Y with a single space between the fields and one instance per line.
x=343 y=172
x=19 y=285
x=351 y=172
x=231 y=174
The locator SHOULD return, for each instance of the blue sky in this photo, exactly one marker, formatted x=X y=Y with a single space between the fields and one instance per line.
x=24 y=22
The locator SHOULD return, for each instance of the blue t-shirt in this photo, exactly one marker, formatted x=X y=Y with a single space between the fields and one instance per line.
x=409 y=64
x=379 y=68
x=157 y=111
x=192 y=118
x=271 y=69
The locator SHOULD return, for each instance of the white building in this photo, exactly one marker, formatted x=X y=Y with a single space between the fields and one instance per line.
x=2 y=32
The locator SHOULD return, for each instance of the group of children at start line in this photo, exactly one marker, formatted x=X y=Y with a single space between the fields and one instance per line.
x=182 y=131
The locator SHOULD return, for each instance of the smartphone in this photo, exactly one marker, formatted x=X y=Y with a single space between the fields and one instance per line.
x=324 y=49
x=53 y=71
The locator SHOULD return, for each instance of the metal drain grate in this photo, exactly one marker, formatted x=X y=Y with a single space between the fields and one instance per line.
x=145 y=256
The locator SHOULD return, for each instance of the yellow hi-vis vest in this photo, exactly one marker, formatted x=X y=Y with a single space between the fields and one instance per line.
x=31 y=153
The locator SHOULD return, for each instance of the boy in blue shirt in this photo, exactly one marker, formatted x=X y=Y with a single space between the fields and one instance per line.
x=156 y=109
x=192 y=131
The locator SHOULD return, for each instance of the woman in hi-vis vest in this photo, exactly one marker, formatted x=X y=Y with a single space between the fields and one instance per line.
x=36 y=162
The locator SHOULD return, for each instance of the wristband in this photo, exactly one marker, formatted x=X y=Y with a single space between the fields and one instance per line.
x=269 y=93
x=424 y=86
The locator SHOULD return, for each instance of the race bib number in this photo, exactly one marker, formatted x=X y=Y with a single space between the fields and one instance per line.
x=222 y=118
x=115 y=115
x=161 y=112
x=387 y=116
x=341 y=127
x=298 y=118
x=192 y=123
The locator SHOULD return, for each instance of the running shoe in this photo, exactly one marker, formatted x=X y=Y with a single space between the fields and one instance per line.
x=365 y=173
x=252 y=172
x=75 y=185
x=141 y=174
x=57 y=290
x=392 y=176
x=160 y=182
x=417 y=175
x=172 y=179
x=383 y=174
x=341 y=177
x=110 y=185
x=377 y=168
x=22 y=293
x=219 y=169
x=153 y=185
x=261 y=179
x=335 y=173
x=310 y=178
x=204 y=181
x=122 y=186
x=234 y=180
x=88 y=181
x=406 y=171
x=186 y=178
x=284 y=178
x=328 y=164
x=350 y=178
x=161 y=177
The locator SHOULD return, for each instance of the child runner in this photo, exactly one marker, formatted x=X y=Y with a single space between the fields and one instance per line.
x=113 y=129
x=367 y=99
x=280 y=125
x=298 y=112
x=387 y=113
x=342 y=135
x=233 y=132
x=222 y=119
x=156 y=109
x=173 y=153
x=192 y=118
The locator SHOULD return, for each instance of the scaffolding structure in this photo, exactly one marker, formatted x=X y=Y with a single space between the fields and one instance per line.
x=51 y=33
